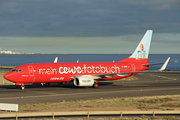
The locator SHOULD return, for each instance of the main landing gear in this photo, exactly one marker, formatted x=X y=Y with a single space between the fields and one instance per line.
x=95 y=85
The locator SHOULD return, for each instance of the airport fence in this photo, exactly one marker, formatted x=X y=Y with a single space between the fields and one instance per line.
x=86 y=113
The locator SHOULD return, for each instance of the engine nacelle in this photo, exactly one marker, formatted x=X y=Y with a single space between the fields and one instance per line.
x=83 y=81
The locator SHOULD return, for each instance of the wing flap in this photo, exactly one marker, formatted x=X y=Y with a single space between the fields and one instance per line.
x=99 y=76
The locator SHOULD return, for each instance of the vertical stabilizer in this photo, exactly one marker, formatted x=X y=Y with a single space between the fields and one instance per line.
x=142 y=51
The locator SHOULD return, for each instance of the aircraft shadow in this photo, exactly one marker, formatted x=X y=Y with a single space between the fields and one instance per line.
x=65 y=85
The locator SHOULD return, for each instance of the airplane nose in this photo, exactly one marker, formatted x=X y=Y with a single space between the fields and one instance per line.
x=6 y=76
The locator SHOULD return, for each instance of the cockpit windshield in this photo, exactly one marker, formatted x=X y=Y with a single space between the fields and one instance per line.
x=16 y=70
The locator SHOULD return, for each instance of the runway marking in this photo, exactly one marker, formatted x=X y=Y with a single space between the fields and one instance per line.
x=105 y=92
x=136 y=85
x=163 y=77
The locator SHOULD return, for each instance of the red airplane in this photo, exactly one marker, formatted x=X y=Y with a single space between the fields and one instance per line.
x=83 y=74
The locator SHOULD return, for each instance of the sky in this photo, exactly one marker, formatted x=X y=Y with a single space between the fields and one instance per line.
x=88 y=26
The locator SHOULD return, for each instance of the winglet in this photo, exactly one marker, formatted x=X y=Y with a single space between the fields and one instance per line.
x=164 y=65
x=55 y=60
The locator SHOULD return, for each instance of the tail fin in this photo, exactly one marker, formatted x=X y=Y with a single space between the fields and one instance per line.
x=142 y=51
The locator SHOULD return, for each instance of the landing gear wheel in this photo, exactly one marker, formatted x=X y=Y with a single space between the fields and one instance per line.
x=22 y=87
x=95 y=85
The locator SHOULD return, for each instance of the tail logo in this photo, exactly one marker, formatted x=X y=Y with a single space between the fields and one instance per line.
x=142 y=50
x=141 y=53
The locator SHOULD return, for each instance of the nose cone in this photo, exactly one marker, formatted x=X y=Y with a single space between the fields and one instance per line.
x=8 y=76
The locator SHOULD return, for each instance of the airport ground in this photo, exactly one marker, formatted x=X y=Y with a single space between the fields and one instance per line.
x=148 y=84
x=163 y=86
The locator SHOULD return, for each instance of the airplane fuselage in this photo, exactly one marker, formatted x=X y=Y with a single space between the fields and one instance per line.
x=64 y=72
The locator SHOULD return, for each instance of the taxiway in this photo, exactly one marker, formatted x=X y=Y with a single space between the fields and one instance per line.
x=148 y=84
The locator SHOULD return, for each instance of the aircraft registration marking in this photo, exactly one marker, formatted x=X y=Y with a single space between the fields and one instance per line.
x=25 y=75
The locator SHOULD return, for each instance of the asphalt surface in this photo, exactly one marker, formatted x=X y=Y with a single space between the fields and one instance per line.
x=148 y=84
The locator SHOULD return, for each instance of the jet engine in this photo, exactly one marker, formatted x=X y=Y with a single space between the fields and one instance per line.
x=83 y=81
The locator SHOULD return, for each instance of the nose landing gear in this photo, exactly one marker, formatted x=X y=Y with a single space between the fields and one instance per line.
x=22 y=87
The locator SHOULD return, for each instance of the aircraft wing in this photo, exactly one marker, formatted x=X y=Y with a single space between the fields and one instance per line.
x=164 y=64
x=99 y=76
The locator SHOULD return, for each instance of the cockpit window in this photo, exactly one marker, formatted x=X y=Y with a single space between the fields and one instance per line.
x=16 y=70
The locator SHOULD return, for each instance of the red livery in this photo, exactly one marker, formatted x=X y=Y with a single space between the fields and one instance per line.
x=83 y=73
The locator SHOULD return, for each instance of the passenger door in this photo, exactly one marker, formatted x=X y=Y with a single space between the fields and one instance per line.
x=31 y=73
